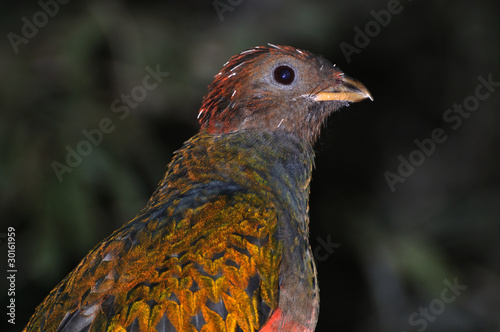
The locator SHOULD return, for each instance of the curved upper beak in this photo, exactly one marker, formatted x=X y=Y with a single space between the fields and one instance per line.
x=349 y=89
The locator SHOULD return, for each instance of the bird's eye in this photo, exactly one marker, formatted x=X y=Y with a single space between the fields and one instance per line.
x=284 y=75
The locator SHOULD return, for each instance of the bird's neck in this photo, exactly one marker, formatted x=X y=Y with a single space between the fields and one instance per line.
x=268 y=163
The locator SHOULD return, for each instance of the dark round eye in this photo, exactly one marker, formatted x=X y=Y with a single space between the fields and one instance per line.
x=284 y=75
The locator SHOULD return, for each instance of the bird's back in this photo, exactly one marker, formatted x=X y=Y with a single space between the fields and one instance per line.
x=203 y=255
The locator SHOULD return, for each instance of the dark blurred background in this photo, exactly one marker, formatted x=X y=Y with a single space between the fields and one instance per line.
x=394 y=249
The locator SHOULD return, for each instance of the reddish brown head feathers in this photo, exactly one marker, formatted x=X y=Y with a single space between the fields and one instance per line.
x=277 y=88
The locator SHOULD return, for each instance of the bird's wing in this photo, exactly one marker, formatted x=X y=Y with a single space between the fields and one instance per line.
x=204 y=261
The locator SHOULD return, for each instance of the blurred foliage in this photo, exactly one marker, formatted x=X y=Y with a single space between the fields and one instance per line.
x=396 y=249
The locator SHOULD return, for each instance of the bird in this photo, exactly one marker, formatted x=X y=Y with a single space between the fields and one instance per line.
x=223 y=242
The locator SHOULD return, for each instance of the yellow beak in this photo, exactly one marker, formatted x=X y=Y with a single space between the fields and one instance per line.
x=350 y=90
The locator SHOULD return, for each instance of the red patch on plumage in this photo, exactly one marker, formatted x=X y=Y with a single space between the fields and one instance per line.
x=278 y=323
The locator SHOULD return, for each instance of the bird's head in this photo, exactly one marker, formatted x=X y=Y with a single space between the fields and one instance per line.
x=277 y=88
